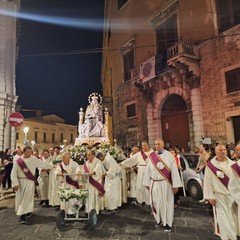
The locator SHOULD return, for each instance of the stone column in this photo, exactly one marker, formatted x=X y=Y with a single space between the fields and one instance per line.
x=197 y=116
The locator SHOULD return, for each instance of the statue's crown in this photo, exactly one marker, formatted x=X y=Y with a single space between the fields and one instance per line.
x=95 y=96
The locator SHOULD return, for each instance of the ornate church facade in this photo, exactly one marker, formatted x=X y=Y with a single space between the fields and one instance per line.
x=8 y=53
x=197 y=96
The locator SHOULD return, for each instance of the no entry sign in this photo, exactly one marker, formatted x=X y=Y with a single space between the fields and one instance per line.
x=16 y=119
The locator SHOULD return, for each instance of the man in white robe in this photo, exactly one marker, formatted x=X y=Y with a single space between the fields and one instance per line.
x=234 y=184
x=139 y=159
x=23 y=180
x=216 y=191
x=67 y=166
x=94 y=168
x=112 y=184
x=162 y=185
x=54 y=199
x=43 y=179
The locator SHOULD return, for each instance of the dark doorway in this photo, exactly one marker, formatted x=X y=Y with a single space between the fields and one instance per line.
x=175 y=124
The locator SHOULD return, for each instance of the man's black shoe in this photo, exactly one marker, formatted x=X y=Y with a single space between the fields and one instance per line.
x=167 y=229
x=28 y=215
x=22 y=219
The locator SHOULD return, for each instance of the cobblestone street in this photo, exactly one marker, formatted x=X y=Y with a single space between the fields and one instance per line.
x=192 y=222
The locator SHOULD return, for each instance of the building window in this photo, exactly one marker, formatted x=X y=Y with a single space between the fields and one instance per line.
x=233 y=80
x=71 y=138
x=121 y=3
x=128 y=64
x=167 y=34
x=131 y=110
x=236 y=128
x=17 y=135
x=61 y=138
x=36 y=137
x=228 y=14
x=53 y=137
x=44 y=137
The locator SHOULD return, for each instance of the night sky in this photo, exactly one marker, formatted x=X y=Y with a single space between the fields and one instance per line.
x=58 y=84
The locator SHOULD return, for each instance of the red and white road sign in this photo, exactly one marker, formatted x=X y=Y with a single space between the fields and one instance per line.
x=16 y=119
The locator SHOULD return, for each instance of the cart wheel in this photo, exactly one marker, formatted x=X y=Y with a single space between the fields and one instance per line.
x=60 y=220
x=92 y=222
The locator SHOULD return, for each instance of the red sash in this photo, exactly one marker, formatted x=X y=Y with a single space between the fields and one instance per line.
x=26 y=170
x=224 y=179
x=164 y=170
x=236 y=169
x=144 y=156
x=93 y=182
x=69 y=180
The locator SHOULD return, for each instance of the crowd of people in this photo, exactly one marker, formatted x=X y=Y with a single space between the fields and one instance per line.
x=149 y=177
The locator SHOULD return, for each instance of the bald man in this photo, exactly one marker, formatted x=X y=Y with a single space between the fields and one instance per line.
x=67 y=166
x=95 y=169
x=216 y=190
x=163 y=180
x=234 y=184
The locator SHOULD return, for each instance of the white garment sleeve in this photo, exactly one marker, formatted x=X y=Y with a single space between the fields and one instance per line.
x=208 y=190
x=147 y=176
x=130 y=162
x=14 y=175
x=42 y=164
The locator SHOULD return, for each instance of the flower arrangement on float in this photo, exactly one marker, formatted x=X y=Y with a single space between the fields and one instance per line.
x=71 y=193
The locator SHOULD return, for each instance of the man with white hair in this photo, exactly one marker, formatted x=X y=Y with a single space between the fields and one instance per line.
x=112 y=183
x=140 y=160
x=216 y=190
x=23 y=181
x=94 y=168
x=163 y=180
x=234 y=184
x=67 y=166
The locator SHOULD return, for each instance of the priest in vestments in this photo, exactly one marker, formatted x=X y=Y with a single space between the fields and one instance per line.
x=67 y=166
x=216 y=190
x=43 y=179
x=23 y=181
x=95 y=169
x=140 y=160
x=163 y=180
x=53 y=197
x=234 y=184
x=112 y=184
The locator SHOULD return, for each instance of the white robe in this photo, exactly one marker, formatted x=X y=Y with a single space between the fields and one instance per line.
x=43 y=181
x=53 y=187
x=71 y=168
x=161 y=191
x=234 y=189
x=142 y=193
x=95 y=200
x=25 y=195
x=112 y=186
x=225 y=215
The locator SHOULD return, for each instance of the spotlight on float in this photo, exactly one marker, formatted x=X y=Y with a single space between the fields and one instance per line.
x=25 y=130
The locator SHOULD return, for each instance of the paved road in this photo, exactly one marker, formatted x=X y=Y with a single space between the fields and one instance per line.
x=192 y=222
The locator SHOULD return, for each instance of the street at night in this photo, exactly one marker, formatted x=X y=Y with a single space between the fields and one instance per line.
x=120 y=119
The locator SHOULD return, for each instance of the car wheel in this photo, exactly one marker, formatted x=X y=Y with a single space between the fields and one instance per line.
x=195 y=190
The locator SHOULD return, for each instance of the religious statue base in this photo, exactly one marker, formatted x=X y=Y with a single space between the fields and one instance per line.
x=92 y=141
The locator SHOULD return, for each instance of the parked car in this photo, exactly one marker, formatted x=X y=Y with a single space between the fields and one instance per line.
x=191 y=179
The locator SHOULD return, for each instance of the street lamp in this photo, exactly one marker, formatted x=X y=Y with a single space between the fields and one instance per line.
x=25 y=130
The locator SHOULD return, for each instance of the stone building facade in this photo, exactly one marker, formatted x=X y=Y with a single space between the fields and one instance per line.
x=46 y=131
x=181 y=104
x=8 y=52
